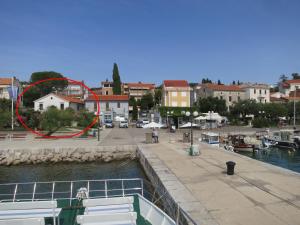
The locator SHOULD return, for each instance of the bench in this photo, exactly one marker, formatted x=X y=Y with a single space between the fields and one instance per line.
x=18 y=136
x=128 y=218
x=33 y=209
x=108 y=205
x=3 y=136
x=28 y=221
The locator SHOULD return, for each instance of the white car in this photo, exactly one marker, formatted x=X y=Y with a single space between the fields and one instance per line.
x=145 y=121
x=123 y=124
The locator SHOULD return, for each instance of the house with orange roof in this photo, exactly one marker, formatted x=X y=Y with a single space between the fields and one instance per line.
x=287 y=86
x=137 y=90
x=5 y=83
x=59 y=101
x=111 y=106
x=176 y=93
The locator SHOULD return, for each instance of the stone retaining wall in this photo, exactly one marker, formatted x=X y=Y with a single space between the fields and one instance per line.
x=66 y=154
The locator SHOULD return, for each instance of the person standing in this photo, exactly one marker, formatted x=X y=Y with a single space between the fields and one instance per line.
x=155 y=136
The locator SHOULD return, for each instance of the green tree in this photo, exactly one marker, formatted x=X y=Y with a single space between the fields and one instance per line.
x=53 y=119
x=132 y=101
x=295 y=76
x=157 y=96
x=283 y=78
x=134 y=111
x=84 y=118
x=206 y=80
x=43 y=88
x=116 y=80
x=147 y=101
x=219 y=82
x=5 y=119
x=212 y=104
x=5 y=104
x=245 y=107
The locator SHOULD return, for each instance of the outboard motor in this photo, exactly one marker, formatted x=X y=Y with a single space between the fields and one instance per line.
x=82 y=193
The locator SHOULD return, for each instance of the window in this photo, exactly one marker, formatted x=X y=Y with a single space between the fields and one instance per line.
x=62 y=106
x=183 y=94
x=265 y=91
x=254 y=91
x=41 y=106
x=230 y=98
x=107 y=106
x=106 y=92
x=221 y=97
x=119 y=105
x=95 y=106
x=78 y=107
x=239 y=98
x=259 y=91
x=1 y=91
x=174 y=94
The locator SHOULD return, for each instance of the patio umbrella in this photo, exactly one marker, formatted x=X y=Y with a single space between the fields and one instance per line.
x=187 y=125
x=153 y=125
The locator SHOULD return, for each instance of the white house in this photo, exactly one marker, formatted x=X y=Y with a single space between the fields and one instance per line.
x=59 y=101
x=111 y=106
x=258 y=92
x=289 y=85
x=5 y=83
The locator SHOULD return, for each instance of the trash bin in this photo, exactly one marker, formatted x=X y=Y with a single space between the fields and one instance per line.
x=186 y=137
x=230 y=167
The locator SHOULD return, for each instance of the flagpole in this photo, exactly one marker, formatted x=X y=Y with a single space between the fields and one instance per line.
x=12 y=104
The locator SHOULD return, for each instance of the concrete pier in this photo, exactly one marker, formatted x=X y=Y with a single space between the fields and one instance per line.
x=258 y=193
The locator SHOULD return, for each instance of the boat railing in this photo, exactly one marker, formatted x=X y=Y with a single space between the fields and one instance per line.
x=68 y=190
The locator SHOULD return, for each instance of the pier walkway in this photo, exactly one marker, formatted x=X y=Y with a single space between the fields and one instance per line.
x=258 y=193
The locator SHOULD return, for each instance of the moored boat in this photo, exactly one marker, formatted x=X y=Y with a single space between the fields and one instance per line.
x=239 y=144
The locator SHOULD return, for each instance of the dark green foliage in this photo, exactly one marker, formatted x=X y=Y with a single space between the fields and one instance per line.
x=53 y=119
x=219 y=82
x=132 y=101
x=295 y=76
x=43 y=88
x=261 y=122
x=233 y=82
x=157 y=96
x=134 y=111
x=212 y=104
x=5 y=119
x=147 y=101
x=30 y=117
x=5 y=104
x=283 y=78
x=206 y=80
x=116 y=80
x=85 y=118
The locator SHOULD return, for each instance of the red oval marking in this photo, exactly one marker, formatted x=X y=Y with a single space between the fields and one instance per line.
x=62 y=136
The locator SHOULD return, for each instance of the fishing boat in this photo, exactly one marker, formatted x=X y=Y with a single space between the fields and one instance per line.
x=211 y=138
x=84 y=202
x=239 y=144
x=284 y=139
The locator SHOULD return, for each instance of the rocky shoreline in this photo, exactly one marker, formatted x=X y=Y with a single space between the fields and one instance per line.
x=66 y=154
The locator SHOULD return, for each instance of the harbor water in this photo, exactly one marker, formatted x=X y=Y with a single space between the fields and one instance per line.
x=71 y=171
x=279 y=157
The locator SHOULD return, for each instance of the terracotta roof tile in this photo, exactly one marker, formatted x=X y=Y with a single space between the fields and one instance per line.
x=296 y=81
x=176 y=83
x=109 y=98
x=141 y=85
x=222 y=87
x=5 y=81
x=70 y=99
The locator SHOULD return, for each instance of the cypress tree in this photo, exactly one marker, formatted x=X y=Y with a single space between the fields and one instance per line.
x=116 y=80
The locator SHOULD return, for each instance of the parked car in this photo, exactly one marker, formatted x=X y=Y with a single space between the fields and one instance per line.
x=144 y=114
x=139 y=124
x=145 y=121
x=109 y=124
x=123 y=124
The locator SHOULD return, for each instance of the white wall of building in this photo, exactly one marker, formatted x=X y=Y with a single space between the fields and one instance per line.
x=50 y=100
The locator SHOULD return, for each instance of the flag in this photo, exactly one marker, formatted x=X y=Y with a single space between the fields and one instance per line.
x=13 y=92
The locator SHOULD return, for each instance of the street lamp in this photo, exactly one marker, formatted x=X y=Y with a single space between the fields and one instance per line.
x=295 y=91
x=191 y=118
x=169 y=113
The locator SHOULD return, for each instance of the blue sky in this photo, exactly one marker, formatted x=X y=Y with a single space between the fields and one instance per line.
x=247 y=40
